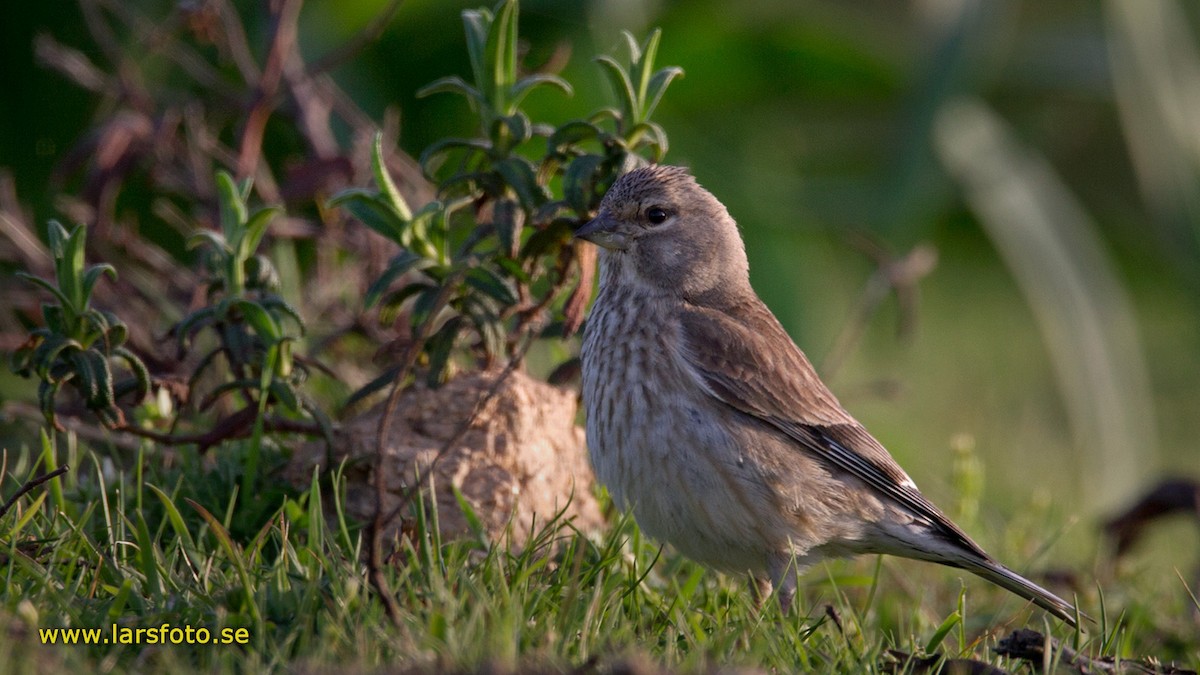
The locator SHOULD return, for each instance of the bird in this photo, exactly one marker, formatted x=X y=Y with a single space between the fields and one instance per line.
x=708 y=423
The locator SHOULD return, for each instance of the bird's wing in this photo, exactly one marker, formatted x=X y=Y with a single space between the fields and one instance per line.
x=744 y=358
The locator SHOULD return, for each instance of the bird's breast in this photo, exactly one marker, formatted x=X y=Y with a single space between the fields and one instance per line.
x=659 y=444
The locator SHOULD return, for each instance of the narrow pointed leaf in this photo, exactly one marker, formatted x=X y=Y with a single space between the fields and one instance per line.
x=383 y=179
x=476 y=24
x=658 y=86
x=579 y=183
x=399 y=265
x=573 y=133
x=232 y=206
x=93 y=275
x=521 y=176
x=491 y=284
x=531 y=82
x=622 y=88
x=256 y=228
x=454 y=85
x=371 y=210
x=265 y=325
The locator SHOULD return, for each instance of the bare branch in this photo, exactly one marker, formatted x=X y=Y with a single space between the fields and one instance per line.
x=29 y=486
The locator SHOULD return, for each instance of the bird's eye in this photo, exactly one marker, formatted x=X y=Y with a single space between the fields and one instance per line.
x=656 y=216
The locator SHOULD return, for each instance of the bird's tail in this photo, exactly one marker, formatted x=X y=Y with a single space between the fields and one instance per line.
x=1002 y=576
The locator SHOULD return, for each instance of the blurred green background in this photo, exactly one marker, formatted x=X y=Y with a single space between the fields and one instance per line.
x=1048 y=152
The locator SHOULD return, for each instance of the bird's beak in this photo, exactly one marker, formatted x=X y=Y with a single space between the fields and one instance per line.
x=602 y=231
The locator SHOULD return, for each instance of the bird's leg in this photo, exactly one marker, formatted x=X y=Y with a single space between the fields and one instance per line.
x=782 y=569
x=760 y=590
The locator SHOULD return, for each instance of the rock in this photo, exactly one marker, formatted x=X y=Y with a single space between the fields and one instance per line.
x=523 y=459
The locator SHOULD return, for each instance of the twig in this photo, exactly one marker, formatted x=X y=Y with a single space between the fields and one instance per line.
x=237 y=425
x=1037 y=648
x=71 y=63
x=283 y=41
x=375 y=533
x=351 y=47
x=892 y=274
x=30 y=485
x=235 y=40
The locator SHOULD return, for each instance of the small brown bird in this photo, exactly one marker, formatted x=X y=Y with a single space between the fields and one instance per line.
x=706 y=419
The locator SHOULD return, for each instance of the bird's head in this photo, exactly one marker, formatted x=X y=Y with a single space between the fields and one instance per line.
x=659 y=226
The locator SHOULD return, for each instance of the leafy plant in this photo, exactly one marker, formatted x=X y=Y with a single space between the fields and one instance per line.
x=78 y=342
x=245 y=313
x=252 y=325
x=490 y=260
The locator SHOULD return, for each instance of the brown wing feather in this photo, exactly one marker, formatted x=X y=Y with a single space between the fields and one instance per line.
x=747 y=360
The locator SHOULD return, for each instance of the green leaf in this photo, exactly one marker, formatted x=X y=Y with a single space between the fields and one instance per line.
x=188 y=544
x=645 y=65
x=192 y=323
x=383 y=179
x=47 y=391
x=514 y=270
x=69 y=267
x=372 y=210
x=657 y=87
x=84 y=378
x=531 y=82
x=92 y=276
x=425 y=305
x=622 y=88
x=476 y=24
x=441 y=346
x=572 y=133
x=943 y=630
x=55 y=318
x=635 y=50
x=397 y=266
x=285 y=394
x=510 y=131
x=501 y=57
x=548 y=239
x=265 y=325
x=141 y=374
x=235 y=556
x=38 y=281
x=256 y=227
x=275 y=303
x=649 y=134
x=454 y=85
x=507 y=219
x=393 y=301
x=375 y=385
x=487 y=324
x=519 y=174
x=57 y=236
x=214 y=239
x=47 y=353
x=473 y=521
x=432 y=157
x=493 y=285
x=117 y=607
x=147 y=561
x=232 y=206
x=114 y=330
x=285 y=364
x=579 y=183
x=96 y=374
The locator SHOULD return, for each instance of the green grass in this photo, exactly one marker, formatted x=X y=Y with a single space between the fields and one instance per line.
x=171 y=539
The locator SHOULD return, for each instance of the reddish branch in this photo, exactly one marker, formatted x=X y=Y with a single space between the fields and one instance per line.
x=238 y=425
x=286 y=15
